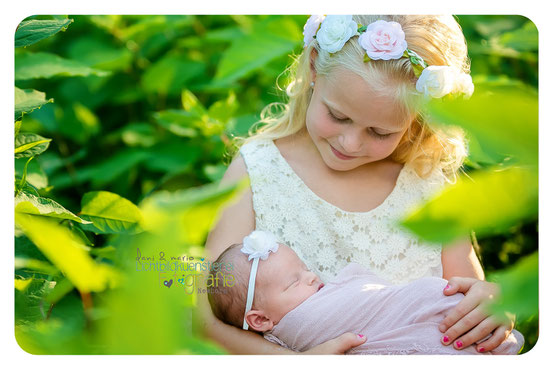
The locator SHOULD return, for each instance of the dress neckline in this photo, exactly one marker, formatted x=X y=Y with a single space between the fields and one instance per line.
x=376 y=209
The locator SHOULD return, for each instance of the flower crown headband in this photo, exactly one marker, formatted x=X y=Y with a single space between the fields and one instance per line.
x=257 y=245
x=384 y=40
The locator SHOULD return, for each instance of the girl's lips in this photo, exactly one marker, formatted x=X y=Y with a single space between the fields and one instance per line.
x=339 y=155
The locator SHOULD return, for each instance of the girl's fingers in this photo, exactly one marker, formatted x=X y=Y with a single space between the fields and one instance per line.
x=462 y=328
x=465 y=306
x=499 y=335
x=459 y=284
x=479 y=332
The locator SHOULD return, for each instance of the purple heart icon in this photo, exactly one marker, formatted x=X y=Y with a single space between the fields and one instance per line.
x=168 y=283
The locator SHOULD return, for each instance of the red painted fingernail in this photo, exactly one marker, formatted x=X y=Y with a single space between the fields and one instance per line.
x=481 y=349
x=445 y=339
x=447 y=287
x=361 y=336
x=458 y=344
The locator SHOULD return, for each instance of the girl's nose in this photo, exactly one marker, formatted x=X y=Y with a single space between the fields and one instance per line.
x=350 y=142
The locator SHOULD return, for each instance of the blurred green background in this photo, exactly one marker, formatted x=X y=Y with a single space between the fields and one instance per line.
x=122 y=124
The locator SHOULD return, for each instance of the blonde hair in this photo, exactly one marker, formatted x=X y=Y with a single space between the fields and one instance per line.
x=437 y=39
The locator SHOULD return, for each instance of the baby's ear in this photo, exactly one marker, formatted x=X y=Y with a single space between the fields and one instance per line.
x=258 y=321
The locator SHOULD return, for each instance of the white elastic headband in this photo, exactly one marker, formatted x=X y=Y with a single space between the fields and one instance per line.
x=257 y=246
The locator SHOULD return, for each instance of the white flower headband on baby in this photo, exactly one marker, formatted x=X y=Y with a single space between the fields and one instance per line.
x=386 y=40
x=257 y=246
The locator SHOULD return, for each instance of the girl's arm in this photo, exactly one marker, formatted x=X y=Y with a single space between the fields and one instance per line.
x=469 y=322
x=236 y=222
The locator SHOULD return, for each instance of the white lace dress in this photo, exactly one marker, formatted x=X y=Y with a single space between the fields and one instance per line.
x=326 y=237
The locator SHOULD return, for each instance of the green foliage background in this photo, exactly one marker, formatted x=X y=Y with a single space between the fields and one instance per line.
x=122 y=124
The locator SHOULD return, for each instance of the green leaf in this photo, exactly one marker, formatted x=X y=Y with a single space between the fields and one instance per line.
x=519 y=288
x=267 y=40
x=224 y=110
x=35 y=265
x=62 y=249
x=521 y=39
x=30 y=144
x=170 y=74
x=27 y=203
x=46 y=65
x=32 y=31
x=178 y=122
x=189 y=213
x=490 y=202
x=23 y=175
x=110 y=213
x=97 y=53
x=504 y=120
x=28 y=100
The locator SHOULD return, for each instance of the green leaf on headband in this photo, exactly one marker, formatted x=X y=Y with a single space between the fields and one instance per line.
x=417 y=69
x=366 y=58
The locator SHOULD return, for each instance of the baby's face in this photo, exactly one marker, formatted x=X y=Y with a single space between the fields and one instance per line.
x=284 y=283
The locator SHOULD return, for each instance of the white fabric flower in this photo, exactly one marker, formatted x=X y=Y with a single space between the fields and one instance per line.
x=335 y=31
x=436 y=81
x=383 y=40
x=310 y=28
x=464 y=85
x=258 y=244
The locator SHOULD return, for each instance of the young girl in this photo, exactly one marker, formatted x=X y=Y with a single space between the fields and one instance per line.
x=280 y=297
x=348 y=156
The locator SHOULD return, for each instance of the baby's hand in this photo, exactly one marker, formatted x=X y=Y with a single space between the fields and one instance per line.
x=469 y=321
x=338 y=345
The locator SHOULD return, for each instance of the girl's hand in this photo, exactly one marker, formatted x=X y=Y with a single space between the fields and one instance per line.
x=469 y=322
x=338 y=345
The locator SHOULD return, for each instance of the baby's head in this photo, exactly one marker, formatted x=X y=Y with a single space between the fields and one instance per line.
x=282 y=283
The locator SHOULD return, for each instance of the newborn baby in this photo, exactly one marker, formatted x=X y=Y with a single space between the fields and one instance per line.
x=293 y=308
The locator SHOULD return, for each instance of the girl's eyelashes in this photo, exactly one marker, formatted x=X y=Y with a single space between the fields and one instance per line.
x=369 y=130
x=377 y=135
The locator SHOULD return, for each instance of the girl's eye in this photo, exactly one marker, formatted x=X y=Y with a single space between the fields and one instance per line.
x=378 y=135
x=336 y=119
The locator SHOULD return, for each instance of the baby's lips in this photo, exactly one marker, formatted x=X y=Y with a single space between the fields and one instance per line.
x=320 y=286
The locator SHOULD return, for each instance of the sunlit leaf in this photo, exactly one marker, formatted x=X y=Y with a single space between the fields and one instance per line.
x=62 y=249
x=35 y=265
x=32 y=31
x=22 y=284
x=30 y=144
x=189 y=213
x=28 y=100
x=46 y=65
x=30 y=204
x=35 y=175
x=503 y=119
x=110 y=213
x=519 y=288
x=489 y=203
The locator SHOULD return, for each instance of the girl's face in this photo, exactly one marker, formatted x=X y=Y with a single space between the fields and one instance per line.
x=350 y=124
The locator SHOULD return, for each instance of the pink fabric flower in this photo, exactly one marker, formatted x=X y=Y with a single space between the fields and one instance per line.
x=310 y=28
x=383 y=40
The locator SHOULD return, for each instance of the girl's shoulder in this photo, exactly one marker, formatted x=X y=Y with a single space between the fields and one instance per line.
x=424 y=186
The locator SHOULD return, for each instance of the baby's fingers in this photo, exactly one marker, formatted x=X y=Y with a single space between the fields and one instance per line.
x=458 y=284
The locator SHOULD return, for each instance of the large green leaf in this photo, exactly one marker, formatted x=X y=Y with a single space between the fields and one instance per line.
x=490 y=202
x=267 y=40
x=28 y=100
x=504 y=119
x=110 y=213
x=62 y=249
x=28 y=203
x=190 y=213
x=46 y=65
x=97 y=53
x=32 y=31
x=519 y=288
x=30 y=144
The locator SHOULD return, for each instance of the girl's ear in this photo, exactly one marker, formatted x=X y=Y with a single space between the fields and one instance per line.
x=258 y=321
x=312 y=58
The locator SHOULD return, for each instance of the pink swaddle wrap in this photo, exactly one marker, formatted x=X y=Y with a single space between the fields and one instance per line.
x=397 y=319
